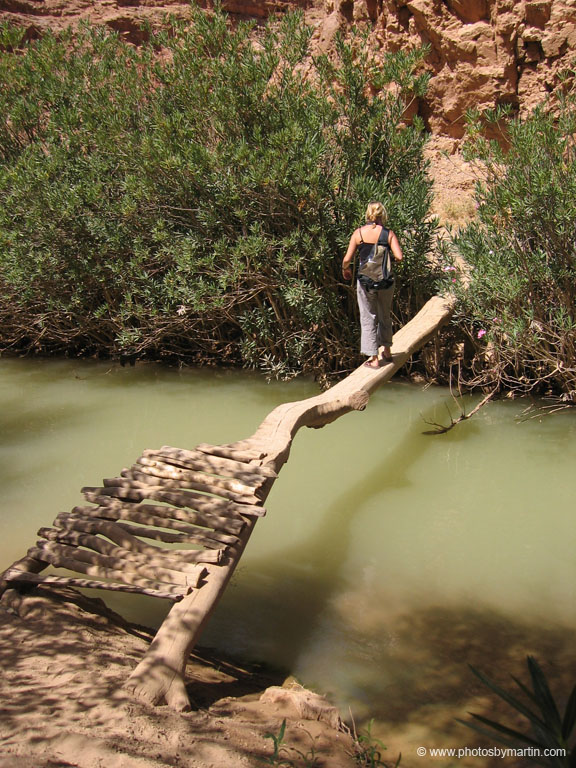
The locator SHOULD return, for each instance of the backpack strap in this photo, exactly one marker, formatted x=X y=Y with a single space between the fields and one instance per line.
x=384 y=241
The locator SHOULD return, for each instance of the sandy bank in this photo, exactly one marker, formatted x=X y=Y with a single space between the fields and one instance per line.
x=64 y=659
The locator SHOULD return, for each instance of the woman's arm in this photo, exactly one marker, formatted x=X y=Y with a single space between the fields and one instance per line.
x=394 y=246
x=347 y=260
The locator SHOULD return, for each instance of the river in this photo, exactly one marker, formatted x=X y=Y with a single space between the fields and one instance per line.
x=389 y=560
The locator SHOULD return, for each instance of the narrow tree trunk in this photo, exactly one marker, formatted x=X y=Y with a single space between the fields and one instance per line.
x=159 y=677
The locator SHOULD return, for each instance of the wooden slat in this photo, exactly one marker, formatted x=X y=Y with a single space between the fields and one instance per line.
x=64 y=581
x=191 y=533
x=122 y=534
x=189 y=499
x=162 y=560
x=243 y=451
x=194 y=555
x=105 y=573
x=214 y=523
x=203 y=462
x=136 y=478
x=153 y=573
x=246 y=483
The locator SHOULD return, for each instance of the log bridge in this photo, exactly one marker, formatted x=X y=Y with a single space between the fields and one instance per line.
x=204 y=503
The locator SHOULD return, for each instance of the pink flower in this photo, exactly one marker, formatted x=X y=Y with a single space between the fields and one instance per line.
x=449 y=269
x=481 y=333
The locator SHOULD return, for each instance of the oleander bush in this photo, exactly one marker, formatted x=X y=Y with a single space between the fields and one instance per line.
x=517 y=292
x=191 y=198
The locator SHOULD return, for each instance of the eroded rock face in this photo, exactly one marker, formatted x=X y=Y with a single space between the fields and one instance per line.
x=482 y=52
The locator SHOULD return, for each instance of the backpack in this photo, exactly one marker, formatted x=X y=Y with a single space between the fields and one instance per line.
x=376 y=272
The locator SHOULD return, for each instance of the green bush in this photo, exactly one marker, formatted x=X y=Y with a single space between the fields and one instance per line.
x=517 y=297
x=192 y=198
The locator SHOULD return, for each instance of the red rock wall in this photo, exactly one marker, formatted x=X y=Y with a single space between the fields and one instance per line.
x=482 y=52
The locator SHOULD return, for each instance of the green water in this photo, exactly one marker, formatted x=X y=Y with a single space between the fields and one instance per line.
x=389 y=559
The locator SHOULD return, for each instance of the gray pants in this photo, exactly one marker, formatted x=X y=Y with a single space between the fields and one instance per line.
x=375 y=321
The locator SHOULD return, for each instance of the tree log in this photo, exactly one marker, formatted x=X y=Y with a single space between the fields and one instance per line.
x=160 y=674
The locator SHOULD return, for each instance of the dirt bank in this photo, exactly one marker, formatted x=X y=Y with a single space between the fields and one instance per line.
x=64 y=659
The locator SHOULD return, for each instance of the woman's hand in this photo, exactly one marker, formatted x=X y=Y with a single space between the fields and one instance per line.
x=346 y=273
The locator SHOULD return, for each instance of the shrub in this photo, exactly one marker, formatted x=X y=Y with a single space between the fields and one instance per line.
x=192 y=198
x=518 y=298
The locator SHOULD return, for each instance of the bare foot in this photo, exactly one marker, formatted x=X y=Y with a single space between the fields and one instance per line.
x=387 y=355
x=372 y=362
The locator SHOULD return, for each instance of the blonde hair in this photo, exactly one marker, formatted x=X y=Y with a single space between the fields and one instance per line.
x=375 y=212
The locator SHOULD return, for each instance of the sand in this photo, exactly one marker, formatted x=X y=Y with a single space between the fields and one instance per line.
x=64 y=659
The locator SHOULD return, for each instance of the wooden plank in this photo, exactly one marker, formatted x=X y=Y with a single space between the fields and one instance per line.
x=64 y=581
x=243 y=451
x=191 y=533
x=216 y=524
x=126 y=565
x=102 y=572
x=122 y=534
x=193 y=555
x=99 y=544
x=247 y=483
x=138 y=478
x=216 y=465
x=189 y=499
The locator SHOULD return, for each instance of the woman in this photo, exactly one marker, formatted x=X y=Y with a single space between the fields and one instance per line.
x=375 y=305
